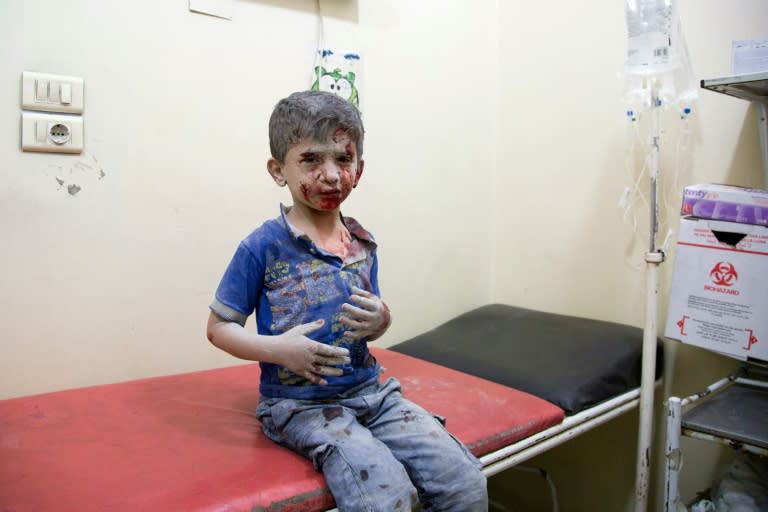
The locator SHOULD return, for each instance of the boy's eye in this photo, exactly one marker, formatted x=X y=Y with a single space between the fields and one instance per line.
x=308 y=157
x=345 y=159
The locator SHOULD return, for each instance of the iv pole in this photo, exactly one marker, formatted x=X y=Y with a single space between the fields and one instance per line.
x=653 y=259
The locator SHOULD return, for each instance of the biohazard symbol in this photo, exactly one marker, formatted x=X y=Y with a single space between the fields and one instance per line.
x=724 y=274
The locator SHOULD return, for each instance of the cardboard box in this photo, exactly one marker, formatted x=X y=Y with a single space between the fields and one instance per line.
x=726 y=202
x=719 y=298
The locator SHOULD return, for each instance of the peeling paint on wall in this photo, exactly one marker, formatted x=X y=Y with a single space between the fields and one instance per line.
x=70 y=177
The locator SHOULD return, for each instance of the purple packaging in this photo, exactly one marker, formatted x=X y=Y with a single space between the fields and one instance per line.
x=726 y=202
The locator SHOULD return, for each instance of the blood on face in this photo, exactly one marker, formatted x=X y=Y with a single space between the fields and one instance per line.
x=329 y=171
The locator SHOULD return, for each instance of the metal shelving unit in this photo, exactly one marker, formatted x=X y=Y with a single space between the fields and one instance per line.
x=734 y=410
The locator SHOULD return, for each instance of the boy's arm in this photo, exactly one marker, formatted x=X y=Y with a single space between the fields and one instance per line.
x=292 y=349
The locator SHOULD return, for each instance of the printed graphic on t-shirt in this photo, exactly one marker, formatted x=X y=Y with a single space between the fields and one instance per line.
x=300 y=292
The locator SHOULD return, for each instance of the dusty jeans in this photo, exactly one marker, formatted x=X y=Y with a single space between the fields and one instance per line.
x=379 y=451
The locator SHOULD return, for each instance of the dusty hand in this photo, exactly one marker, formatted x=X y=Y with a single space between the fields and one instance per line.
x=308 y=358
x=369 y=318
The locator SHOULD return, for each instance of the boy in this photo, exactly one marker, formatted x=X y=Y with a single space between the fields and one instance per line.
x=311 y=277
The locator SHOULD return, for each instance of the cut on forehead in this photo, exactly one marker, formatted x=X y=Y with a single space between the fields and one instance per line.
x=313 y=116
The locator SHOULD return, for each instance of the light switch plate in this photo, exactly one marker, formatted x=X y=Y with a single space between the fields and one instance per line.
x=45 y=92
x=51 y=133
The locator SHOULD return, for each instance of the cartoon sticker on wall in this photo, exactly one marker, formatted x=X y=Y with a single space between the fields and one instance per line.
x=338 y=73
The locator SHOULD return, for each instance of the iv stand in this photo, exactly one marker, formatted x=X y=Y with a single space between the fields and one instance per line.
x=653 y=258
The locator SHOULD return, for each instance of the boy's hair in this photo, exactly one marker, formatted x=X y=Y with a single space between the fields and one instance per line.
x=313 y=115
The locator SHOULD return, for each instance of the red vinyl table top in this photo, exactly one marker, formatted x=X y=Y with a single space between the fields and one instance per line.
x=191 y=442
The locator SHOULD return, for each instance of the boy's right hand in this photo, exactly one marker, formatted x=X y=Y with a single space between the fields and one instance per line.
x=308 y=358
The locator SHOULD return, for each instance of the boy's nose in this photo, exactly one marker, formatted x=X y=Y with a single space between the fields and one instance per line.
x=330 y=172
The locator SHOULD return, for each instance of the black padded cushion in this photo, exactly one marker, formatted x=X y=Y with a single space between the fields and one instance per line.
x=570 y=361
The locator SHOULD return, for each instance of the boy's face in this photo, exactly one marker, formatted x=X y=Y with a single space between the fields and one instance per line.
x=319 y=175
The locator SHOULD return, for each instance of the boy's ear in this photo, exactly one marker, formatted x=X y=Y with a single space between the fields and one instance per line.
x=275 y=170
x=359 y=173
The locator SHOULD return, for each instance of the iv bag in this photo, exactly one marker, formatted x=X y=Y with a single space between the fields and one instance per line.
x=653 y=36
x=656 y=50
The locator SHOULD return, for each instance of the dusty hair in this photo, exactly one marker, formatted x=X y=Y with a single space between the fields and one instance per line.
x=312 y=115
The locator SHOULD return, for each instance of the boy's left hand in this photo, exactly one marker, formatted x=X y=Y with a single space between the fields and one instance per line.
x=370 y=318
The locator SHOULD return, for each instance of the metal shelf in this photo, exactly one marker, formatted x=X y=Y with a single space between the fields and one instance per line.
x=732 y=411
x=738 y=415
x=752 y=87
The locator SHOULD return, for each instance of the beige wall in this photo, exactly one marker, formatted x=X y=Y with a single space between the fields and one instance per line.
x=114 y=282
x=495 y=160
x=562 y=245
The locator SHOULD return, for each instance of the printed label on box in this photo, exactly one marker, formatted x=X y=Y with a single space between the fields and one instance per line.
x=719 y=293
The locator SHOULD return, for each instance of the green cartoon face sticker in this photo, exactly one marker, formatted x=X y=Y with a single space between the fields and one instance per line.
x=342 y=85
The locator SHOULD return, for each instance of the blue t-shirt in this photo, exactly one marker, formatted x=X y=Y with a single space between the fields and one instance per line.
x=281 y=275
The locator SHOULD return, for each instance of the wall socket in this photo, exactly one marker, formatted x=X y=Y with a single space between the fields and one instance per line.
x=51 y=133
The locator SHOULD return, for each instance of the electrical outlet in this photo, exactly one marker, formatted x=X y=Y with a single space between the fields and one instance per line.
x=51 y=133
x=45 y=92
